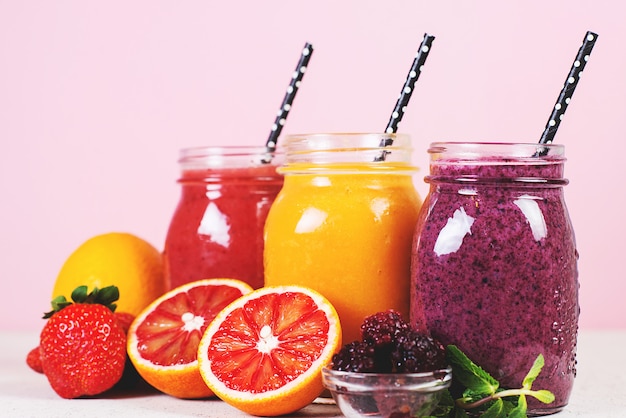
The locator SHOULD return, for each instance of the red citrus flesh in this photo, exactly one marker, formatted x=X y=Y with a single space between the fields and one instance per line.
x=171 y=333
x=268 y=342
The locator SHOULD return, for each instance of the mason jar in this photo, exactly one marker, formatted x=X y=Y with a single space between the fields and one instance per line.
x=343 y=223
x=216 y=230
x=494 y=266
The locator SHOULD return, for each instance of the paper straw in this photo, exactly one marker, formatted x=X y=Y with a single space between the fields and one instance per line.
x=409 y=84
x=285 y=107
x=405 y=93
x=568 y=88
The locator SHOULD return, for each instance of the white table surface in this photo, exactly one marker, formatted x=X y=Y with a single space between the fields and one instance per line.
x=599 y=390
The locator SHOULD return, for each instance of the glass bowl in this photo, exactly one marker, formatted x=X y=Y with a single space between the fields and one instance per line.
x=386 y=394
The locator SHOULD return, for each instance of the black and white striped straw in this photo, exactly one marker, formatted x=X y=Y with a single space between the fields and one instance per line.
x=568 y=88
x=285 y=106
x=409 y=84
x=405 y=94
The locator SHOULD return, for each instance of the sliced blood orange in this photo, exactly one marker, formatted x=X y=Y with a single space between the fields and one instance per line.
x=264 y=353
x=163 y=339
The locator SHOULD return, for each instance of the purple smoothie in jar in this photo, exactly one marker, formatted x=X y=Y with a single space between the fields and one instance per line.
x=494 y=263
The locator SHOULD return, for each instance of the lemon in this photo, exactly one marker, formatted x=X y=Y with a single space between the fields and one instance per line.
x=120 y=259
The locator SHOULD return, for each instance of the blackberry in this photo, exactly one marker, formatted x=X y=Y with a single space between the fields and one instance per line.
x=382 y=329
x=355 y=357
x=390 y=345
x=416 y=352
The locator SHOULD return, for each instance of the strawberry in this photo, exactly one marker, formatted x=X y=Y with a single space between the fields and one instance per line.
x=130 y=379
x=124 y=319
x=83 y=346
x=33 y=359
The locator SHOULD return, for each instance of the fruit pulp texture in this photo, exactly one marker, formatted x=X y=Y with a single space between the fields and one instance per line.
x=217 y=228
x=171 y=333
x=258 y=352
x=348 y=236
x=494 y=272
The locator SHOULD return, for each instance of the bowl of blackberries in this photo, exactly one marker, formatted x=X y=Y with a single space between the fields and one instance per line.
x=394 y=371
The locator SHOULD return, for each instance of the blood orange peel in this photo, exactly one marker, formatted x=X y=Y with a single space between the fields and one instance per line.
x=264 y=353
x=163 y=339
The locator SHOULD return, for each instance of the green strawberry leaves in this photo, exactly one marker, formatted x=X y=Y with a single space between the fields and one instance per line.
x=105 y=296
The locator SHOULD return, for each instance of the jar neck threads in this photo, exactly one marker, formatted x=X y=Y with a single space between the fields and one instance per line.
x=199 y=158
x=496 y=164
x=347 y=153
x=236 y=164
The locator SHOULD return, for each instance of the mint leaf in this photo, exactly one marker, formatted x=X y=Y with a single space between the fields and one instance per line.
x=460 y=413
x=470 y=395
x=469 y=374
x=543 y=395
x=496 y=410
x=508 y=406
x=482 y=396
x=520 y=410
x=444 y=407
x=534 y=372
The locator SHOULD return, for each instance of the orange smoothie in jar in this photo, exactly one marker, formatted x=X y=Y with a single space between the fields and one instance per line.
x=343 y=224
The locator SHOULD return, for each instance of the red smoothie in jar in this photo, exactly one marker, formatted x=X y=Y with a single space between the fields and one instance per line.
x=217 y=228
x=494 y=267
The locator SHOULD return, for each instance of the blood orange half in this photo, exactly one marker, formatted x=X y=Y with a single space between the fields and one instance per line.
x=163 y=340
x=264 y=353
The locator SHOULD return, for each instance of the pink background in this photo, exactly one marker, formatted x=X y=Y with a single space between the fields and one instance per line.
x=96 y=99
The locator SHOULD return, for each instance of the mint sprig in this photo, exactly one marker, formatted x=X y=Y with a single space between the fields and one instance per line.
x=482 y=395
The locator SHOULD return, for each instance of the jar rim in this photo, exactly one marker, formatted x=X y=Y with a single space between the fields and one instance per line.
x=337 y=140
x=346 y=147
x=201 y=151
x=228 y=156
x=517 y=150
x=497 y=164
